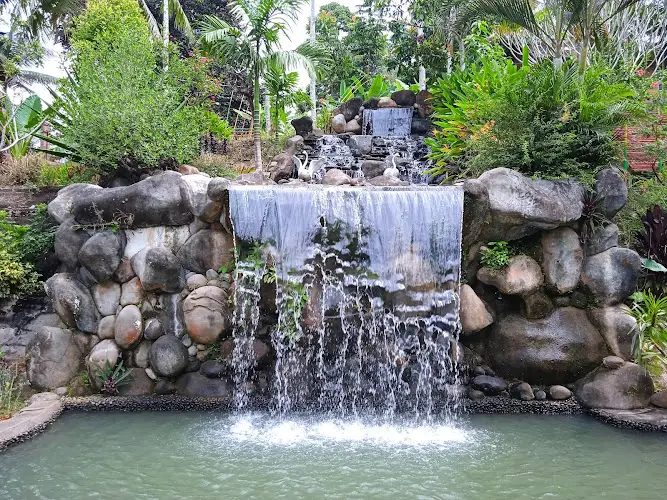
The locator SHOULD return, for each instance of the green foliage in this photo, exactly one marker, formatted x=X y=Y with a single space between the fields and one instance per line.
x=110 y=379
x=10 y=388
x=649 y=343
x=17 y=279
x=293 y=298
x=220 y=128
x=539 y=120
x=20 y=122
x=643 y=193
x=592 y=216
x=121 y=109
x=495 y=255
x=215 y=165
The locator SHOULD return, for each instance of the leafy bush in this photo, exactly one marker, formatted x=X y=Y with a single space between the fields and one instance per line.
x=10 y=389
x=643 y=193
x=649 y=344
x=110 y=379
x=17 y=279
x=652 y=244
x=496 y=254
x=539 y=120
x=122 y=108
x=215 y=165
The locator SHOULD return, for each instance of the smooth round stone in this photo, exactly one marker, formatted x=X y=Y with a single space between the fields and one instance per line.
x=151 y=374
x=196 y=281
x=479 y=371
x=128 y=327
x=211 y=274
x=558 y=392
x=659 y=399
x=474 y=394
x=192 y=350
x=613 y=362
x=153 y=329
x=540 y=395
x=187 y=341
x=61 y=391
x=168 y=356
x=132 y=292
x=105 y=329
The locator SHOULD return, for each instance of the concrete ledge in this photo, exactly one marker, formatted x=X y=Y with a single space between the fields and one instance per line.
x=42 y=410
x=645 y=419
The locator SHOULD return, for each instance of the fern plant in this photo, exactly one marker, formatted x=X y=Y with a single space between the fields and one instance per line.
x=110 y=379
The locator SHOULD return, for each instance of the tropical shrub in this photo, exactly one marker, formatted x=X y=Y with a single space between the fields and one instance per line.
x=496 y=254
x=649 y=344
x=122 y=109
x=110 y=379
x=643 y=193
x=652 y=244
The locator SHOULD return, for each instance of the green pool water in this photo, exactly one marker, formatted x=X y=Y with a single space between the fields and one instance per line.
x=227 y=456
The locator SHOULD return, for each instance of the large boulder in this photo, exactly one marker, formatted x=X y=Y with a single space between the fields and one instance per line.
x=405 y=98
x=611 y=276
x=207 y=315
x=158 y=200
x=350 y=109
x=562 y=259
x=72 y=302
x=168 y=356
x=474 y=314
x=303 y=126
x=207 y=249
x=520 y=206
x=557 y=349
x=196 y=385
x=612 y=190
x=102 y=253
x=626 y=388
x=198 y=202
x=386 y=102
x=61 y=207
x=107 y=297
x=68 y=241
x=159 y=270
x=602 y=240
x=617 y=327
x=475 y=209
x=522 y=276
x=282 y=165
x=53 y=358
x=128 y=327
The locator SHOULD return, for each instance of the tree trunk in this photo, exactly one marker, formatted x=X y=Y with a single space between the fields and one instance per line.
x=256 y=125
x=462 y=54
x=583 y=54
x=313 y=91
x=165 y=34
x=267 y=112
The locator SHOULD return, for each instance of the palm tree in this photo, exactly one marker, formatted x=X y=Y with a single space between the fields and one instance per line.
x=255 y=44
x=180 y=21
x=282 y=89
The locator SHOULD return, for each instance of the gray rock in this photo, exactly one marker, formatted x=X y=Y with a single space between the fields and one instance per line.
x=195 y=385
x=158 y=200
x=52 y=358
x=218 y=188
x=559 y=348
x=214 y=369
x=207 y=249
x=61 y=207
x=159 y=270
x=336 y=177
x=522 y=391
x=372 y=168
x=72 y=302
x=489 y=385
x=626 y=388
x=338 y=123
x=107 y=297
x=474 y=314
x=537 y=305
x=124 y=271
x=558 y=392
x=206 y=313
x=405 y=98
x=171 y=314
x=195 y=281
x=212 y=274
x=613 y=362
x=132 y=292
x=540 y=395
x=474 y=394
x=128 y=327
x=478 y=370
x=659 y=399
x=522 y=276
x=613 y=191
x=138 y=384
x=350 y=109
x=295 y=141
x=282 y=165
x=353 y=127
x=476 y=206
x=303 y=126
x=106 y=328
x=68 y=241
x=195 y=188
x=520 y=206
x=562 y=259
x=102 y=253
x=141 y=354
x=611 y=276
x=168 y=356
x=164 y=387
x=603 y=239
x=153 y=329
x=105 y=352
x=387 y=180
x=360 y=145
x=386 y=102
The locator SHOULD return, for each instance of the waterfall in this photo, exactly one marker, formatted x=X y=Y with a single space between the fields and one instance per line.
x=387 y=122
x=366 y=295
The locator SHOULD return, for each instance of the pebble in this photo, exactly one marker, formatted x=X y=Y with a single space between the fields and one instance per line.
x=192 y=350
x=151 y=374
x=211 y=274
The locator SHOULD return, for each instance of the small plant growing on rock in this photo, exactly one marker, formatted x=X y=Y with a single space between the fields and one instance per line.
x=110 y=379
x=495 y=255
x=592 y=217
x=649 y=343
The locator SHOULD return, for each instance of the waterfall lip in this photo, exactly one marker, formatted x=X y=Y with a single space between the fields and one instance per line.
x=324 y=187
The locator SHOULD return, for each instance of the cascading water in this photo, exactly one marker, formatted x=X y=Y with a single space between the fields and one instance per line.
x=366 y=295
x=387 y=122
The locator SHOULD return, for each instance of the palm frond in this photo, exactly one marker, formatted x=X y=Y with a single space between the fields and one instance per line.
x=152 y=22
x=180 y=19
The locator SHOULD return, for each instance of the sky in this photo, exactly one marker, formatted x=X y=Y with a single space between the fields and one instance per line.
x=53 y=63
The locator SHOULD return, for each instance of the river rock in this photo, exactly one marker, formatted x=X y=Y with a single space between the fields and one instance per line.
x=603 y=239
x=159 y=270
x=424 y=106
x=490 y=386
x=206 y=313
x=61 y=207
x=132 y=292
x=124 y=271
x=52 y=358
x=69 y=239
x=105 y=352
x=106 y=328
x=540 y=395
x=612 y=190
x=387 y=180
x=153 y=329
x=198 y=202
x=522 y=276
x=659 y=399
x=360 y=145
x=336 y=177
x=350 y=109
x=214 y=369
x=107 y=297
x=562 y=259
x=613 y=362
x=101 y=254
x=404 y=98
x=520 y=206
x=559 y=392
x=626 y=388
x=303 y=125
x=168 y=356
x=474 y=394
x=261 y=350
x=386 y=102
x=338 y=124
x=207 y=249
x=559 y=348
x=128 y=327
x=195 y=385
x=155 y=201
x=353 y=127
x=141 y=354
x=537 y=305
x=522 y=391
x=137 y=384
x=611 y=276
x=72 y=302
x=372 y=168
x=474 y=314
x=196 y=281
